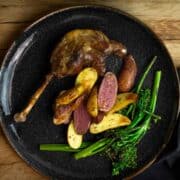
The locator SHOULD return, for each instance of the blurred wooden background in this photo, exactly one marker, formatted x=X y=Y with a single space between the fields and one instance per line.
x=162 y=16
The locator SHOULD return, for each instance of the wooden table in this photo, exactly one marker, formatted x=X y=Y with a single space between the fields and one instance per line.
x=163 y=17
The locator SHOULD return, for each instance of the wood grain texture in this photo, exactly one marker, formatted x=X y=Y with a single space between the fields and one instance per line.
x=163 y=17
x=28 y=10
x=166 y=29
x=12 y=166
x=174 y=48
x=9 y=32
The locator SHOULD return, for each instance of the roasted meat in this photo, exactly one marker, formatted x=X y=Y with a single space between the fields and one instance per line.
x=82 y=48
x=78 y=49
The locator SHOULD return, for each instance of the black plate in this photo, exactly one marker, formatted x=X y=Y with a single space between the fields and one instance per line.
x=26 y=64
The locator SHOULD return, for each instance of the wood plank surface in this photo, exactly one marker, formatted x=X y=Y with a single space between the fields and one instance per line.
x=12 y=166
x=162 y=16
x=28 y=10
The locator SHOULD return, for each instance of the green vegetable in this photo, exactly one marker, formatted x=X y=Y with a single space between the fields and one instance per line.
x=156 y=117
x=127 y=152
x=120 y=144
x=154 y=94
x=130 y=137
x=62 y=147
x=142 y=104
x=121 y=148
x=140 y=83
x=94 y=148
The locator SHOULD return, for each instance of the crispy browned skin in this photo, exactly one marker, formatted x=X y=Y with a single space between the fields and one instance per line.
x=128 y=74
x=63 y=113
x=81 y=48
x=78 y=49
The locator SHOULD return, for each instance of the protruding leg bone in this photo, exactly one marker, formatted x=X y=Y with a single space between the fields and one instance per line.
x=21 y=117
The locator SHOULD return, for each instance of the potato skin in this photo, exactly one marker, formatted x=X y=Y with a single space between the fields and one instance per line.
x=99 y=117
x=123 y=100
x=92 y=106
x=84 y=83
x=74 y=139
x=107 y=92
x=87 y=78
x=69 y=95
x=127 y=74
x=110 y=121
x=82 y=119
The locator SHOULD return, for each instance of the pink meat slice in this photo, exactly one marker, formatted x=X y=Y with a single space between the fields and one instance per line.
x=107 y=92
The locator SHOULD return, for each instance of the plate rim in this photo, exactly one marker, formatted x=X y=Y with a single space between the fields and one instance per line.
x=117 y=11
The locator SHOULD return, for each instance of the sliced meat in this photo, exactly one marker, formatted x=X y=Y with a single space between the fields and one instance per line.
x=107 y=92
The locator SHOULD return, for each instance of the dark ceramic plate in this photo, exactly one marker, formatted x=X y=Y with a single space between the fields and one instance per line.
x=26 y=64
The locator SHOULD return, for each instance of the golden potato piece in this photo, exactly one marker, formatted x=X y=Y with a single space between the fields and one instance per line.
x=70 y=95
x=84 y=82
x=87 y=78
x=92 y=104
x=110 y=121
x=74 y=139
x=123 y=100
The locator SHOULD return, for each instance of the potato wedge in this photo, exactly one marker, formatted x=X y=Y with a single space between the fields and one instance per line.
x=123 y=100
x=87 y=78
x=70 y=95
x=110 y=121
x=92 y=105
x=74 y=139
x=84 y=82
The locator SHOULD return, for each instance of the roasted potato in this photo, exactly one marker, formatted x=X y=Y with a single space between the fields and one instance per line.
x=87 y=78
x=123 y=100
x=127 y=74
x=84 y=82
x=110 y=121
x=74 y=139
x=82 y=119
x=92 y=105
x=107 y=92
x=70 y=95
x=99 y=117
